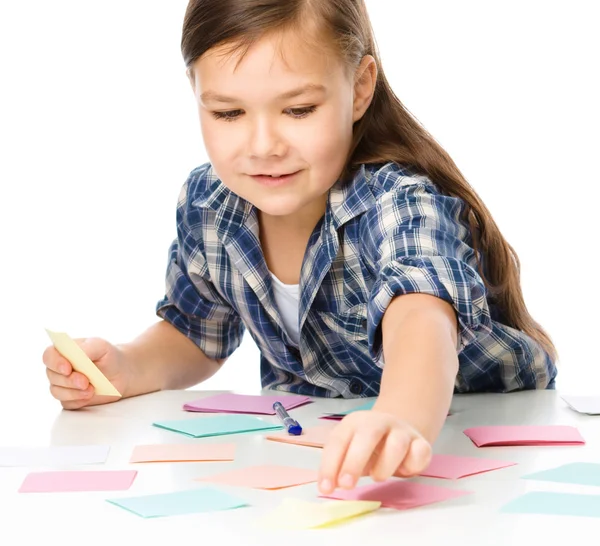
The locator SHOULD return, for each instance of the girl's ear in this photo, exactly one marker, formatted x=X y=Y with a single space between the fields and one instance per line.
x=364 y=86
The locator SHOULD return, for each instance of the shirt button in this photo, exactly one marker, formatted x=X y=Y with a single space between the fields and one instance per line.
x=356 y=387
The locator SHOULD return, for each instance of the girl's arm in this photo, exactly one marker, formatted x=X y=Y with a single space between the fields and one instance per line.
x=419 y=334
x=164 y=358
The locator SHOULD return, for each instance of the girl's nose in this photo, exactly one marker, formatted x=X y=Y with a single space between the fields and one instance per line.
x=265 y=140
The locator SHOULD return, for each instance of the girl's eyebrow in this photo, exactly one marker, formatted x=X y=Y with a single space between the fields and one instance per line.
x=311 y=87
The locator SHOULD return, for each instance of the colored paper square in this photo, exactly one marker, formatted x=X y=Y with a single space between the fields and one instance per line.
x=53 y=455
x=78 y=480
x=218 y=425
x=190 y=501
x=589 y=405
x=579 y=473
x=524 y=435
x=341 y=414
x=453 y=467
x=399 y=494
x=264 y=477
x=555 y=504
x=311 y=437
x=296 y=514
x=182 y=453
x=245 y=403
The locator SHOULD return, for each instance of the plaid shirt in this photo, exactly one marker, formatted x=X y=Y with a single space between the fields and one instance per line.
x=387 y=232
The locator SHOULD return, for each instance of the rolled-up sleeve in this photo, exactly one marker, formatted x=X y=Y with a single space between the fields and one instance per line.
x=192 y=303
x=415 y=241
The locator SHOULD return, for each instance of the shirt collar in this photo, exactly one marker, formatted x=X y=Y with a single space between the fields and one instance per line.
x=347 y=199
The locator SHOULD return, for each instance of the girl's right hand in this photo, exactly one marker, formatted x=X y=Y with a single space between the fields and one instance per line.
x=72 y=388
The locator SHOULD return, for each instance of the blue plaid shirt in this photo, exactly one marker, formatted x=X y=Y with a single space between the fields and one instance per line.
x=387 y=232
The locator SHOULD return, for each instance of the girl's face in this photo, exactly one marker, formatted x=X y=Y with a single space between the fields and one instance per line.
x=278 y=127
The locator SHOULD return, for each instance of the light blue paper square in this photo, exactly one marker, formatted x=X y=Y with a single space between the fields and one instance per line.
x=191 y=501
x=216 y=426
x=555 y=504
x=363 y=407
x=579 y=473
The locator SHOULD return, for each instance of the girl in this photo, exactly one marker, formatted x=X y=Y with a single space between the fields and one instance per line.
x=332 y=227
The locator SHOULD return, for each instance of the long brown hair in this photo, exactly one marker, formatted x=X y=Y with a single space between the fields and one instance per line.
x=387 y=131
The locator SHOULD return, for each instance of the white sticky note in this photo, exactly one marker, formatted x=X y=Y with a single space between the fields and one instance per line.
x=583 y=404
x=53 y=455
x=67 y=347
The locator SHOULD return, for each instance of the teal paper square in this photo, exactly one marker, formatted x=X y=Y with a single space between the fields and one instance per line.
x=579 y=473
x=555 y=504
x=216 y=426
x=191 y=501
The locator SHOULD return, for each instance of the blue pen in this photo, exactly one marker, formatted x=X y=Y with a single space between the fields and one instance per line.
x=293 y=427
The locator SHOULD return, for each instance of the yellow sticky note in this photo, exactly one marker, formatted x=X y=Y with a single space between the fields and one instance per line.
x=67 y=347
x=294 y=514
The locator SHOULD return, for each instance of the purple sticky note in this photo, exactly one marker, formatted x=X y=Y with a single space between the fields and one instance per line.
x=245 y=403
x=77 y=480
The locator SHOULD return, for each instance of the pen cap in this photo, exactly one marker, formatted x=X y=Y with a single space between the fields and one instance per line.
x=296 y=430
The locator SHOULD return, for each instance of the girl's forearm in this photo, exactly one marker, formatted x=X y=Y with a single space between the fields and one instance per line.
x=421 y=362
x=164 y=358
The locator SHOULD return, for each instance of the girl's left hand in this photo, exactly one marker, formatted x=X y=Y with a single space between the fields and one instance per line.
x=375 y=443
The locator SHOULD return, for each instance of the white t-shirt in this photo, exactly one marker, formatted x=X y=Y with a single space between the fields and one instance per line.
x=287 y=298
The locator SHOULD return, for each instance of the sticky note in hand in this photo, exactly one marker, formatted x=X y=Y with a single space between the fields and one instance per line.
x=68 y=348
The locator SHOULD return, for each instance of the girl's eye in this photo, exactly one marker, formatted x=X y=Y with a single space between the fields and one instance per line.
x=230 y=115
x=301 y=112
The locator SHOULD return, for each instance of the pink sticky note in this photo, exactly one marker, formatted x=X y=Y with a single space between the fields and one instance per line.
x=78 y=480
x=182 y=452
x=398 y=494
x=264 y=477
x=453 y=467
x=312 y=437
x=245 y=403
x=524 y=435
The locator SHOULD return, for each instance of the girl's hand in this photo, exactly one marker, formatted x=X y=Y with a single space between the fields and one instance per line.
x=72 y=388
x=371 y=443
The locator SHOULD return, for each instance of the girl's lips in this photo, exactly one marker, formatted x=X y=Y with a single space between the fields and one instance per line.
x=272 y=181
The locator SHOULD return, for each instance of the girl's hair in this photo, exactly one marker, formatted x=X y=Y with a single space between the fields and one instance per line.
x=386 y=132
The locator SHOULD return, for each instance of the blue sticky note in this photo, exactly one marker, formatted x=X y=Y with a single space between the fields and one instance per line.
x=580 y=473
x=215 y=426
x=363 y=407
x=191 y=501
x=555 y=504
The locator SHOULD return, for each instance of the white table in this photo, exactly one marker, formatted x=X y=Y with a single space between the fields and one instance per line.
x=85 y=518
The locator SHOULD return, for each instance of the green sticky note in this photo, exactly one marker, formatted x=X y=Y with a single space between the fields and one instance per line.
x=215 y=426
x=580 y=473
x=555 y=504
x=190 y=501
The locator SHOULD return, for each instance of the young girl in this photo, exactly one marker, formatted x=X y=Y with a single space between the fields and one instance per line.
x=335 y=230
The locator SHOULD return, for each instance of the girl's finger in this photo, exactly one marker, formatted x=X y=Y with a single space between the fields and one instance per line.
x=363 y=445
x=68 y=395
x=54 y=361
x=392 y=453
x=74 y=381
x=75 y=404
x=417 y=458
x=333 y=455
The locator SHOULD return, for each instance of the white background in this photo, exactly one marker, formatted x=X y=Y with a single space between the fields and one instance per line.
x=98 y=131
